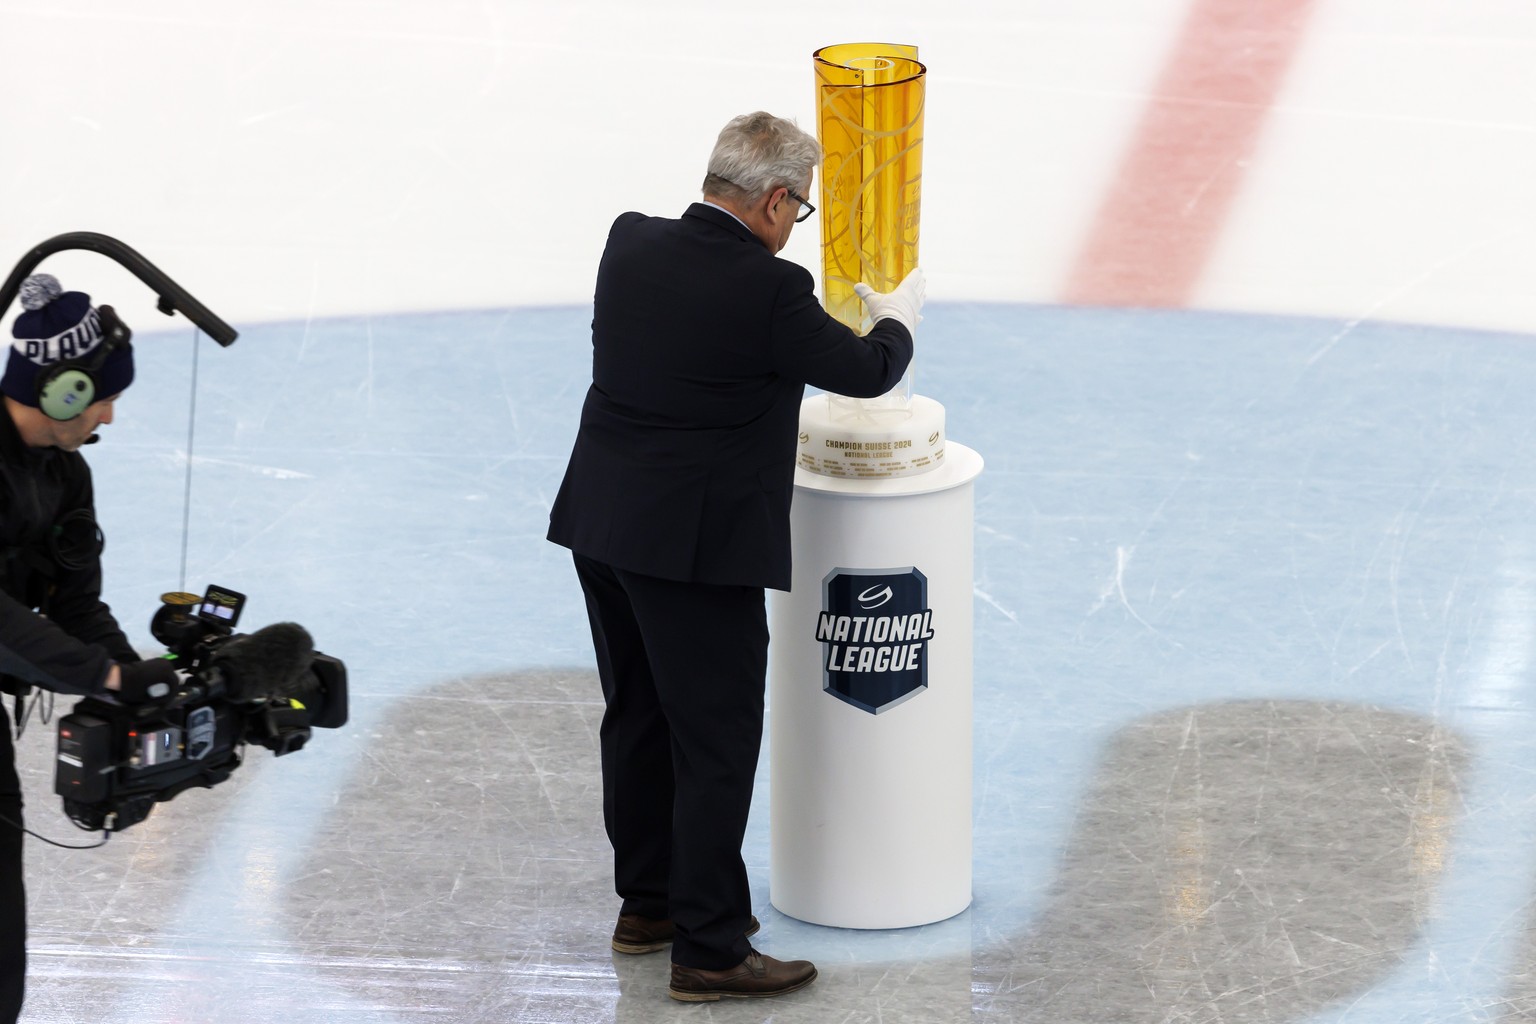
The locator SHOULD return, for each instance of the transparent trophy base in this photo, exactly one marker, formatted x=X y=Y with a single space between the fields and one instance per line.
x=898 y=434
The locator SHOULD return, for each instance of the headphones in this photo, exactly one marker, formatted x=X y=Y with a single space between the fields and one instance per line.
x=68 y=387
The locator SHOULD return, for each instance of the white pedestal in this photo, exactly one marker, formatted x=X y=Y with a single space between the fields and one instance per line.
x=870 y=700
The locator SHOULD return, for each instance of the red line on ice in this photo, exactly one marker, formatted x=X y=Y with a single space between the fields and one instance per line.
x=1169 y=200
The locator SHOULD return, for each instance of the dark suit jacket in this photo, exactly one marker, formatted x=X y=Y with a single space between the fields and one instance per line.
x=702 y=344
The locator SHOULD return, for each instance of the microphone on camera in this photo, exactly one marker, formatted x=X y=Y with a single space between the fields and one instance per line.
x=274 y=661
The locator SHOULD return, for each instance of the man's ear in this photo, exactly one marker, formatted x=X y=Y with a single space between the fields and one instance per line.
x=774 y=203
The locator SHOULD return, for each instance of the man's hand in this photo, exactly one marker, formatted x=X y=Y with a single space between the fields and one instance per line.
x=903 y=304
x=153 y=681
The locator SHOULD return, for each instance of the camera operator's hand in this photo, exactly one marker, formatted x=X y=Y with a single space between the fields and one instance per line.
x=903 y=303
x=152 y=681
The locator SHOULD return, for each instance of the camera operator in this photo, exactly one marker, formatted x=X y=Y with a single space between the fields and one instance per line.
x=67 y=366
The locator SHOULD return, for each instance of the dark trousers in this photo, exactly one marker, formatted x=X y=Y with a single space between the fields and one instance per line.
x=13 y=896
x=683 y=668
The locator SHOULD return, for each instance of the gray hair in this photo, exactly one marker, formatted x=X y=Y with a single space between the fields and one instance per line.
x=757 y=153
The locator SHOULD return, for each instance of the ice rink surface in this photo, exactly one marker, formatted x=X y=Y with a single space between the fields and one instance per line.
x=1232 y=295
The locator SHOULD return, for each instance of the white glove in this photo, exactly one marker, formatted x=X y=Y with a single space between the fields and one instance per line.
x=903 y=304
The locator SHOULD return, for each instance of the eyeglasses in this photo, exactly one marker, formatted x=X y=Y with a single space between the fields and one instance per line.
x=806 y=209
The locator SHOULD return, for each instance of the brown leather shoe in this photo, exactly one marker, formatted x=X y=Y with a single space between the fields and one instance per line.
x=636 y=934
x=754 y=977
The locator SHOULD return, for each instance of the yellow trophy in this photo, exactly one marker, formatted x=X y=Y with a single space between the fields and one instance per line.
x=869 y=102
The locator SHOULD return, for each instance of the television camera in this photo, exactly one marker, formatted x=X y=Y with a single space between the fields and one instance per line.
x=117 y=760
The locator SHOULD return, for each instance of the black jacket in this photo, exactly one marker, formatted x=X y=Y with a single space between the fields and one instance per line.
x=47 y=515
x=702 y=344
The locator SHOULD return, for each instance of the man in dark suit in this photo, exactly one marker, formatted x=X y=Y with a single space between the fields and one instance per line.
x=676 y=508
